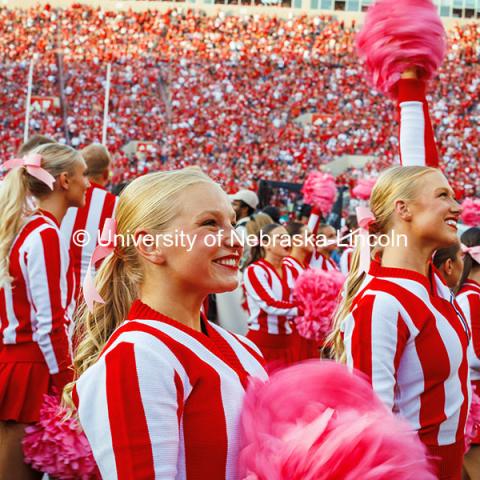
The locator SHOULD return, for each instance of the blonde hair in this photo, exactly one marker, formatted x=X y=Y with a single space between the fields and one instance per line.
x=18 y=185
x=393 y=184
x=150 y=202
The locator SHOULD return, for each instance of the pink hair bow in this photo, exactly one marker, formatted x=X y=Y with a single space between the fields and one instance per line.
x=33 y=163
x=365 y=218
x=474 y=252
x=105 y=247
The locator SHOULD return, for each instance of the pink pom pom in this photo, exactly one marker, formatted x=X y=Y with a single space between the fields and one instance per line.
x=397 y=35
x=320 y=190
x=59 y=447
x=317 y=292
x=316 y=420
x=364 y=188
x=471 y=212
x=472 y=428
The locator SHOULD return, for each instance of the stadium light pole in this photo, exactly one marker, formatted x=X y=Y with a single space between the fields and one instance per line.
x=107 y=101
x=29 y=98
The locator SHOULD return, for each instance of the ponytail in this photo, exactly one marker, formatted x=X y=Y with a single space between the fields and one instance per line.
x=13 y=206
x=352 y=286
x=117 y=284
x=15 y=194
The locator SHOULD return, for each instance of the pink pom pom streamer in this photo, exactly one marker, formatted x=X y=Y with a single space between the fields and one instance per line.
x=364 y=188
x=317 y=293
x=471 y=212
x=472 y=428
x=397 y=35
x=59 y=447
x=317 y=421
x=320 y=190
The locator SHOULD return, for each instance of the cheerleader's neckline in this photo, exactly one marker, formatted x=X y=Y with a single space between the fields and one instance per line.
x=140 y=310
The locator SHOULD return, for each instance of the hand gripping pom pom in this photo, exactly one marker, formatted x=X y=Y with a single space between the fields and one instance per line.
x=317 y=293
x=56 y=445
x=471 y=212
x=320 y=190
x=317 y=421
x=399 y=34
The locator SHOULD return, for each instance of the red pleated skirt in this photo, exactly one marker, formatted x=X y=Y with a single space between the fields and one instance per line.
x=277 y=350
x=24 y=380
x=476 y=389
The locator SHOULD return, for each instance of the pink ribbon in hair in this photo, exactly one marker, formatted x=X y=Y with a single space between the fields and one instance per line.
x=33 y=163
x=105 y=247
x=365 y=218
x=474 y=252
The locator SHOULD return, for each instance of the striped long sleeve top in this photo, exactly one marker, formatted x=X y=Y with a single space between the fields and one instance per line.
x=99 y=205
x=417 y=142
x=268 y=299
x=407 y=333
x=163 y=400
x=468 y=299
x=34 y=307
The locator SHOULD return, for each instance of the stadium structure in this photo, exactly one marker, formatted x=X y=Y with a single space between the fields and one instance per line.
x=449 y=10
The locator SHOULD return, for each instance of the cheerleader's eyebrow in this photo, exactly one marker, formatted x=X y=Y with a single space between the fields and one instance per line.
x=215 y=213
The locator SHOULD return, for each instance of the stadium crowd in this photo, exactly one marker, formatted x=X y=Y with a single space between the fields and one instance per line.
x=224 y=92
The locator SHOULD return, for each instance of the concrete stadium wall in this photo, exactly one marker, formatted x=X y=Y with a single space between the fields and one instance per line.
x=211 y=9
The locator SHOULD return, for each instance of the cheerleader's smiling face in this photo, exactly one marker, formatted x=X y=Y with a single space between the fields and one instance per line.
x=434 y=212
x=206 y=253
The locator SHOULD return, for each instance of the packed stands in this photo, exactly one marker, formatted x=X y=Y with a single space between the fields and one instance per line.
x=224 y=92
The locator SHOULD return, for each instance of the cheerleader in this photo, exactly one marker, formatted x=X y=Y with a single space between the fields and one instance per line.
x=294 y=264
x=268 y=297
x=468 y=298
x=449 y=262
x=403 y=312
x=36 y=290
x=326 y=236
x=99 y=205
x=160 y=389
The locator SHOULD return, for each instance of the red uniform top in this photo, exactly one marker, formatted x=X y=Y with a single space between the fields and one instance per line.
x=268 y=298
x=99 y=205
x=34 y=307
x=163 y=400
x=468 y=299
x=406 y=332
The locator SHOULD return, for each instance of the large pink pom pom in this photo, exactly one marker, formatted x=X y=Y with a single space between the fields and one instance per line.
x=398 y=34
x=363 y=188
x=317 y=421
x=59 y=447
x=472 y=428
x=317 y=292
x=471 y=212
x=320 y=190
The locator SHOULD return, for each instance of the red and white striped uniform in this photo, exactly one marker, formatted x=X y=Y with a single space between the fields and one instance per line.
x=417 y=143
x=468 y=299
x=34 y=307
x=321 y=261
x=268 y=299
x=346 y=260
x=163 y=400
x=293 y=268
x=316 y=259
x=405 y=332
x=99 y=205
